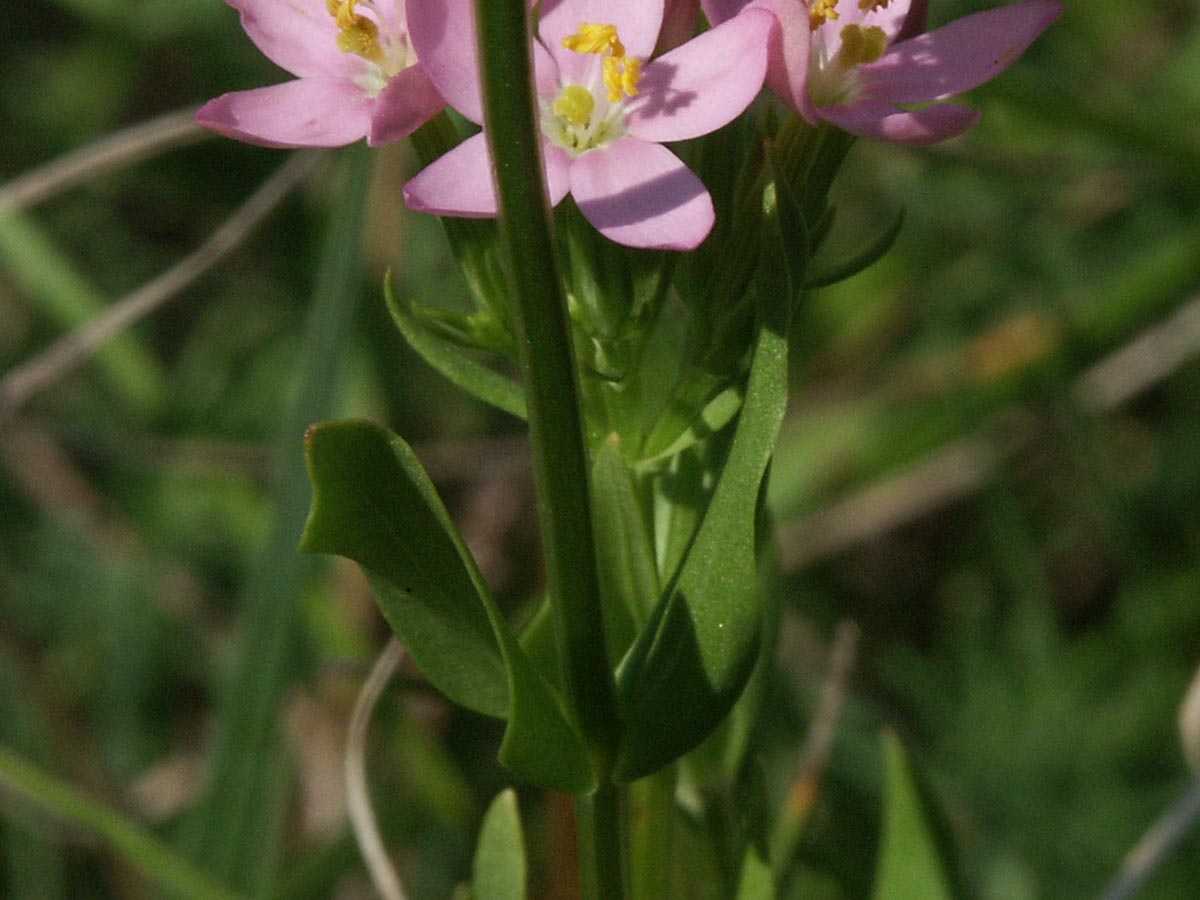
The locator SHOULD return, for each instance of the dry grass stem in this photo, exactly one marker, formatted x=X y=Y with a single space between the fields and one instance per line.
x=358 y=796
x=72 y=350
x=167 y=132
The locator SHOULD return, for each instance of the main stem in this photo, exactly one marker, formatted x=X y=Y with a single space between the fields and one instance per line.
x=556 y=427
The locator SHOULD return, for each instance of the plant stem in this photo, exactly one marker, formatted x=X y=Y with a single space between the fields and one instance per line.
x=560 y=454
x=556 y=425
x=602 y=845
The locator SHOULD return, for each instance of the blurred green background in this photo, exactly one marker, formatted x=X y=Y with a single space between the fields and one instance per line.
x=988 y=467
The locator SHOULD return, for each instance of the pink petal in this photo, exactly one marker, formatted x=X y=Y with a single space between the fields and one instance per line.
x=307 y=112
x=958 y=56
x=407 y=102
x=460 y=182
x=890 y=18
x=638 y=23
x=641 y=195
x=679 y=24
x=705 y=83
x=881 y=121
x=456 y=184
x=717 y=11
x=443 y=34
x=298 y=35
x=787 y=62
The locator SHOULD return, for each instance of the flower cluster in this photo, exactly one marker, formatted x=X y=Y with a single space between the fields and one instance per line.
x=378 y=69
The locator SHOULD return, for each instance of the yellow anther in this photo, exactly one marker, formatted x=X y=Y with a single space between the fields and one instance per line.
x=621 y=76
x=595 y=39
x=872 y=5
x=343 y=13
x=861 y=45
x=820 y=12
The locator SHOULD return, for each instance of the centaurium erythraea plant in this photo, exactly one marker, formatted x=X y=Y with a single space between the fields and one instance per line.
x=607 y=106
x=356 y=76
x=859 y=63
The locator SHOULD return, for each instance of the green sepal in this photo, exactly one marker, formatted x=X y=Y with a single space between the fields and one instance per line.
x=866 y=257
x=373 y=503
x=451 y=360
x=911 y=866
x=498 y=871
x=624 y=553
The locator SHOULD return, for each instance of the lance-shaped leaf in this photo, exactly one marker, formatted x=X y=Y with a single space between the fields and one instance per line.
x=690 y=663
x=498 y=872
x=910 y=864
x=374 y=504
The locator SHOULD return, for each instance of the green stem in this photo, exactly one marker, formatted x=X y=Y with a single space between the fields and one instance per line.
x=602 y=845
x=561 y=466
x=556 y=425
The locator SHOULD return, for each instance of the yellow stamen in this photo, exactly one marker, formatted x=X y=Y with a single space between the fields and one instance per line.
x=872 y=5
x=861 y=45
x=575 y=104
x=820 y=12
x=621 y=76
x=621 y=73
x=595 y=39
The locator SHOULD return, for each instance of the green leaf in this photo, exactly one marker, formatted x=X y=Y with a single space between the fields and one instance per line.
x=498 y=872
x=624 y=554
x=866 y=257
x=689 y=664
x=157 y=862
x=716 y=414
x=756 y=882
x=374 y=504
x=910 y=866
x=452 y=361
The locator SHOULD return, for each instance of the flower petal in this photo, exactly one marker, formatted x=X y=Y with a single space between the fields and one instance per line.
x=717 y=11
x=307 y=112
x=883 y=122
x=705 y=83
x=298 y=35
x=638 y=23
x=641 y=195
x=443 y=34
x=459 y=183
x=958 y=56
x=890 y=18
x=407 y=103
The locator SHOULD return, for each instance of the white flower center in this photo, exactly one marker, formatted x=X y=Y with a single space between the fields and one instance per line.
x=583 y=117
x=834 y=78
x=578 y=121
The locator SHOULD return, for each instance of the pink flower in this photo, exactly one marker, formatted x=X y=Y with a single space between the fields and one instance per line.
x=356 y=76
x=852 y=62
x=605 y=109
